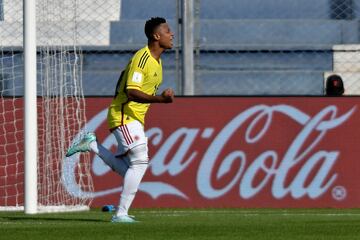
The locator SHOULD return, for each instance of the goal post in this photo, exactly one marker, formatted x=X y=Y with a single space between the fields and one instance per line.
x=30 y=107
x=42 y=107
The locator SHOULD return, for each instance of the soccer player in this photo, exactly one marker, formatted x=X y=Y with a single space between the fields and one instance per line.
x=135 y=90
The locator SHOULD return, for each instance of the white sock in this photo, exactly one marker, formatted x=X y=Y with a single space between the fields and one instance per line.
x=132 y=181
x=119 y=165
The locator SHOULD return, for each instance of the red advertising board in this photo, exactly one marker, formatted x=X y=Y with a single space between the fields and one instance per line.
x=220 y=152
x=241 y=152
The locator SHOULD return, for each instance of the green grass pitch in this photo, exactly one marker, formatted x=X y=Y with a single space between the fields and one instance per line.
x=187 y=224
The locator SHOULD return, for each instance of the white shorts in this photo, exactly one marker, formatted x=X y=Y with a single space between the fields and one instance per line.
x=129 y=136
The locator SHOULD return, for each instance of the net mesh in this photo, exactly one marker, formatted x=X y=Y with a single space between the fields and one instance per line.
x=60 y=105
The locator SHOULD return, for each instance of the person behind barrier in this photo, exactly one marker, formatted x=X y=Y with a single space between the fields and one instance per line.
x=334 y=86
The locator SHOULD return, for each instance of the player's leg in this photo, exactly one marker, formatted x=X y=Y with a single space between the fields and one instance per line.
x=133 y=177
x=89 y=143
x=117 y=164
x=138 y=157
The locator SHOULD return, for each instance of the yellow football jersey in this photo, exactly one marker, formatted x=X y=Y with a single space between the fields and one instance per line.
x=143 y=73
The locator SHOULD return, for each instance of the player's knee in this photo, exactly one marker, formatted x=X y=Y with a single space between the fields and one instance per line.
x=139 y=155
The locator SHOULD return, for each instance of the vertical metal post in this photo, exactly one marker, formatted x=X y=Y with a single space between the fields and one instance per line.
x=188 y=47
x=179 y=86
x=30 y=106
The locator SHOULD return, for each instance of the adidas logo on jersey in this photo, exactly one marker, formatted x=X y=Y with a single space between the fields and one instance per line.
x=155 y=75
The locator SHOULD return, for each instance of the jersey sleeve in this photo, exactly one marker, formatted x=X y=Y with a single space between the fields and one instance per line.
x=136 y=75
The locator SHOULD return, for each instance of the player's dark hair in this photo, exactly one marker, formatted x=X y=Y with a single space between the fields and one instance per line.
x=151 y=25
x=334 y=85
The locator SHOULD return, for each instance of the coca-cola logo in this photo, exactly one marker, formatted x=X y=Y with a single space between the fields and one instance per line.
x=303 y=154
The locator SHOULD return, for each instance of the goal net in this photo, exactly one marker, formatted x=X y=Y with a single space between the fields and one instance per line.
x=60 y=106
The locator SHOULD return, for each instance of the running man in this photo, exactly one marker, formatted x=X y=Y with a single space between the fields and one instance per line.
x=135 y=90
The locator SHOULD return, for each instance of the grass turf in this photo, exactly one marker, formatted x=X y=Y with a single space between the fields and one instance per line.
x=187 y=224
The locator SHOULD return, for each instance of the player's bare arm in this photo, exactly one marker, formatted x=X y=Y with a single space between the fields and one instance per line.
x=167 y=96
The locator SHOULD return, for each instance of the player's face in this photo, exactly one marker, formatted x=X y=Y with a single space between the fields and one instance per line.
x=165 y=36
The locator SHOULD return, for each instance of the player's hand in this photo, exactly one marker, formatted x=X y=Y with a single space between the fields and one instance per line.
x=168 y=95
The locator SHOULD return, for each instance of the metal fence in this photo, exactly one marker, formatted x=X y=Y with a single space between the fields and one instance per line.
x=277 y=47
x=241 y=47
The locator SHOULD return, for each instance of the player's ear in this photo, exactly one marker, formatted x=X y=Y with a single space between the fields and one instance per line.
x=156 y=36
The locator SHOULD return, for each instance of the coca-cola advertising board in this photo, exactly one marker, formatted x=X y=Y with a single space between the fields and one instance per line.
x=240 y=152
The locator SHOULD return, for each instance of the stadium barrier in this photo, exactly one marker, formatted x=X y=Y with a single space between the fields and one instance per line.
x=244 y=152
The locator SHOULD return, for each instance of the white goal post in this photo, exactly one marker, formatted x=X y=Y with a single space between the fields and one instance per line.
x=42 y=106
x=30 y=107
